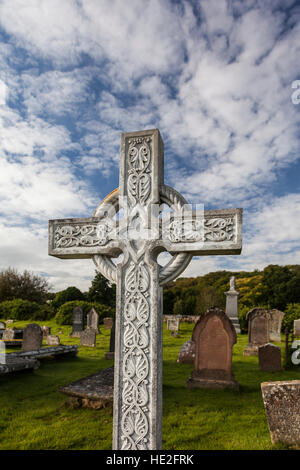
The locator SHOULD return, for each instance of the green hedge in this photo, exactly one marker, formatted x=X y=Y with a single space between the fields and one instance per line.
x=64 y=314
x=19 y=309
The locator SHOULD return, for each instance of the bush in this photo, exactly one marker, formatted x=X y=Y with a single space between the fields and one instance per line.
x=64 y=315
x=292 y=313
x=19 y=309
x=67 y=295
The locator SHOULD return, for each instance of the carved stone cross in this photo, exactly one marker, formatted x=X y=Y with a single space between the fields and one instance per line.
x=141 y=234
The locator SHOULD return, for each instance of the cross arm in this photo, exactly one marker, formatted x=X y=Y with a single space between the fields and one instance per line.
x=212 y=232
x=82 y=238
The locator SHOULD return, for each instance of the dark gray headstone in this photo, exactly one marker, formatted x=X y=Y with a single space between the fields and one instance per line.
x=32 y=337
x=78 y=322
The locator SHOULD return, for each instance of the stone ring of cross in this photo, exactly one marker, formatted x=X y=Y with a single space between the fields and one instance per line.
x=177 y=263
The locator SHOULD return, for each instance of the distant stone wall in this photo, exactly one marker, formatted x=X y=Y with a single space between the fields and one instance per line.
x=183 y=318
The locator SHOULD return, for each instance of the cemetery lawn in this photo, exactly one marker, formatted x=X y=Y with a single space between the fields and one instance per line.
x=33 y=414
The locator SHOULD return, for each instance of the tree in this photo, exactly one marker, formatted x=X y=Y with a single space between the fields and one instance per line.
x=67 y=295
x=26 y=286
x=102 y=291
x=275 y=280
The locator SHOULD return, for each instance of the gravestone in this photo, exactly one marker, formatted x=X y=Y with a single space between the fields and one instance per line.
x=232 y=305
x=276 y=317
x=141 y=234
x=108 y=323
x=187 y=353
x=258 y=330
x=32 y=337
x=111 y=353
x=173 y=325
x=46 y=331
x=282 y=405
x=88 y=338
x=93 y=320
x=2 y=325
x=8 y=334
x=214 y=337
x=78 y=322
x=53 y=340
x=297 y=327
x=269 y=358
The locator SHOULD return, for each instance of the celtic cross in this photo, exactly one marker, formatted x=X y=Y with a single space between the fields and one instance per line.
x=141 y=234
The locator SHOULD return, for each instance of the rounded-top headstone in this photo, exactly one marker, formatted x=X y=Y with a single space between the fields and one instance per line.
x=32 y=338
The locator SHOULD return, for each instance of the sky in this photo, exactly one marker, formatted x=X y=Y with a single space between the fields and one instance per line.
x=219 y=79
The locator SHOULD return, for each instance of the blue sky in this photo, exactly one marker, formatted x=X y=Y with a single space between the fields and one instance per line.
x=214 y=76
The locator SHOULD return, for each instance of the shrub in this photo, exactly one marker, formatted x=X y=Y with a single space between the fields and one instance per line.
x=64 y=315
x=67 y=295
x=292 y=313
x=19 y=309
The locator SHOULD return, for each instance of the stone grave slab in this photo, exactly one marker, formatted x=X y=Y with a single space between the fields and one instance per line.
x=108 y=323
x=93 y=320
x=17 y=364
x=52 y=351
x=282 y=406
x=78 y=322
x=94 y=391
x=276 y=317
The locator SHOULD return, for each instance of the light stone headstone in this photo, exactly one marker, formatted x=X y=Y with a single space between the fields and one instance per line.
x=297 y=327
x=232 y=310
x=78 y=322
x=258 y=330
x=93 y=320
x=276 y=317
x=173 y=324
x=141 y=235
x=53 y=340
x=2 y=325
x=32 y=337
x=46 y=331
x=88 y=338
x=187 y=352
x=8 y=334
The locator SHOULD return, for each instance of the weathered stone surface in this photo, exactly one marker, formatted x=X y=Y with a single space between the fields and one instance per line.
x=297 y=327
x=93 y=320
x=88 y=338
x=94 y=391
x=108 y=323
x=8 y=334
x=46 y=331
x=53 y=340
x=214 y=337
x=17 y=364
x=276 y=317
x=139 y=278
x=258 y=330
x=173 y=324
x=232 y=310
x=269 y=358
x=32 y=337
x=2 y=325
x=187 y=352
x=51 y=351
x=282 y=405
x=78 y=322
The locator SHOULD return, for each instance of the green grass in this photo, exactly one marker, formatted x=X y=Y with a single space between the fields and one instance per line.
x=33 y=414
